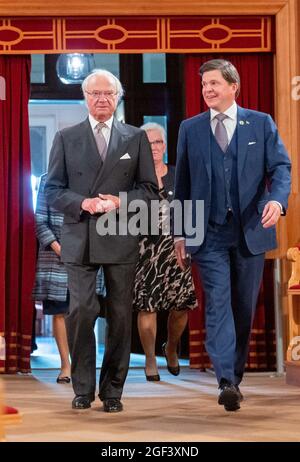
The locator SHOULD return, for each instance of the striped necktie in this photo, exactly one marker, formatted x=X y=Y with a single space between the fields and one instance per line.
x=100 y=140
x=221 y=132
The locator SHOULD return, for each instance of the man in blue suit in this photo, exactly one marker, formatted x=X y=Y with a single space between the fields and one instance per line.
x=234 y=160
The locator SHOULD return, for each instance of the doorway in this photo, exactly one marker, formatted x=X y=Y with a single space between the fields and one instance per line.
x=154 y=92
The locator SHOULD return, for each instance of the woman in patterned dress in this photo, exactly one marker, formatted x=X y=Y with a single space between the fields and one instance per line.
x=160 y=285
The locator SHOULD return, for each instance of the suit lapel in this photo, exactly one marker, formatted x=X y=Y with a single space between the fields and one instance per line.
x=244 y=130
x=89 y=147
x=116 y=145
x=202 y=140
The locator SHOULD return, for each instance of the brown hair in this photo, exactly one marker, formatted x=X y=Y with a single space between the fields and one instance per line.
x=227 y=69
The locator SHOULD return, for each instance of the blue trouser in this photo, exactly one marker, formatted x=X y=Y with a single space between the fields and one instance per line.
x=231 y=277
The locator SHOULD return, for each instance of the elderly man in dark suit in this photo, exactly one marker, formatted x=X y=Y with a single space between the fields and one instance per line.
x=90 y=165
x=234 y=161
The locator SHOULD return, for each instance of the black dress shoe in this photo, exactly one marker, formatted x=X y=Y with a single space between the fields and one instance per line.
x=112 y=405
x=83 y=401
x=174 y=370
x=229 y=396
x=152 y=378
x=241 y=397
x=63 y=379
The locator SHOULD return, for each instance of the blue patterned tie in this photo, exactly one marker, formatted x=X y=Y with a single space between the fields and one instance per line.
x=220 y=132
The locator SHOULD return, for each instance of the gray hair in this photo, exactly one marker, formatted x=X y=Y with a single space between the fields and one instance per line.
x=155 y=126
x=107 y=74
x=227 y=69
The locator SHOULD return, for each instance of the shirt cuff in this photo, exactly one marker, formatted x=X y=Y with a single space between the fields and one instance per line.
x=177 y=239
x=281 y=208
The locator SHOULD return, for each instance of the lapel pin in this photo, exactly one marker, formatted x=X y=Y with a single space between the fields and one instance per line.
x=248 y=123
x=242 y=122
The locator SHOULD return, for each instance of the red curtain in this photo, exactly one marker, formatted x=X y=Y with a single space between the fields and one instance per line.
x=17 y=243
x=256 y=72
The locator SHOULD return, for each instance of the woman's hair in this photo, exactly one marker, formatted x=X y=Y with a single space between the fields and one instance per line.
x=155 y=126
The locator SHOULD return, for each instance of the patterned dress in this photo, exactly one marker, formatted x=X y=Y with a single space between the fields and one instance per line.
x=160 y=285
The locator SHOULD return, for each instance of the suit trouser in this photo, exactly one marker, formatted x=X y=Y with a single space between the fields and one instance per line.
x=231 y=278
x=83 y=312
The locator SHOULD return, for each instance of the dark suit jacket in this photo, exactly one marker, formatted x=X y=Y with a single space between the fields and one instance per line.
x=169 y=182
x=76 y=172
x=262 y=160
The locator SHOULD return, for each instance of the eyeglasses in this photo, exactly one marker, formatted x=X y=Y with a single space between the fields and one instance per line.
x=156 y=142
x=98 y=94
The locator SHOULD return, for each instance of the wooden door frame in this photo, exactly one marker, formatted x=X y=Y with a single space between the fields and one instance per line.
x=286 y=59
x=286 y=66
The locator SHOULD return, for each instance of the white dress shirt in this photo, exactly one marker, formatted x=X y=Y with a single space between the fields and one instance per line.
x=105 y=130
x=230 y=121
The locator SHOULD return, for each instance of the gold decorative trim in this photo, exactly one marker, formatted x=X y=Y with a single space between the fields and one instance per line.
x=13 y=29
x=115 y=35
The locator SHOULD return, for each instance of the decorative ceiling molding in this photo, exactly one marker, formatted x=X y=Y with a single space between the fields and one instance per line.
x=127 y=35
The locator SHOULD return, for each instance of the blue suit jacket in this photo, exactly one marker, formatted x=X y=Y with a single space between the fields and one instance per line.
x=263 y=172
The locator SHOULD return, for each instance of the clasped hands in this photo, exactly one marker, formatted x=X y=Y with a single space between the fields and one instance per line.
x=102 y=204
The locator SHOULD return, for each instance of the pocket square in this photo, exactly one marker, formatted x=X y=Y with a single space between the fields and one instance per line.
x=251 y=142
x=126 y=156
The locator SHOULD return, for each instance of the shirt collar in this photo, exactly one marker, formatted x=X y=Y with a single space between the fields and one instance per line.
x=95 y=122
x=231 y=112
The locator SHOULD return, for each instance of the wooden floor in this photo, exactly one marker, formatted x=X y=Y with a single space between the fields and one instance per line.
x=177 y=409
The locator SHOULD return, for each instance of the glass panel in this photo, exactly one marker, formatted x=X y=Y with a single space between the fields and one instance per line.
x=37 y=69
x=110 y=62
x=74 y=67
x=161 y=120
x=38 y=158
x=154 y=68
x=38 y=150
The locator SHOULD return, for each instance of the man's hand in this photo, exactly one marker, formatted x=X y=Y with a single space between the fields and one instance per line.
x=93 y=205
x=181 y=255
x=102 y=204
x=271 y=214
x=110 y=202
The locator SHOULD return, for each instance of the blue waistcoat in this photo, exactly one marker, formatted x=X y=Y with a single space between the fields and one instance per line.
x=224 y=188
